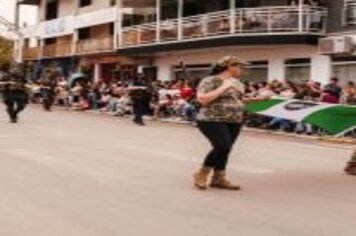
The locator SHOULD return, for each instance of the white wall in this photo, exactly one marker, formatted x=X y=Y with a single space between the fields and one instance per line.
x=321 y=68
x=276 y=55
x=67 y=7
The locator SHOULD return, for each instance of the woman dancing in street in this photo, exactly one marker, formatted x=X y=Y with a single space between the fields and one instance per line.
x=220 y=120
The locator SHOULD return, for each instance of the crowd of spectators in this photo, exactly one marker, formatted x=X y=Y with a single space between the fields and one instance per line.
x=175 y=100
x=332 y=93
x=166 y=100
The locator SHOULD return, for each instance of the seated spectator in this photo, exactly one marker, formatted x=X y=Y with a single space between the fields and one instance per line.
x=329 y=97
x=62 y=98
x=349 y=93
x=164 y=105
x=334 y=89
x=278 y=123
x=76 y=93
x=104 y=101
x=123 y=105
x=185 y=90
x=94 y=95
x=265 y=91
x=82 y=104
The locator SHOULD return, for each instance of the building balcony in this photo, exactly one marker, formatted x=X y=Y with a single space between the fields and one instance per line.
x=29 y=2
x=95 y=45
x=57 y=50
x=242 y=22
x=31 y=53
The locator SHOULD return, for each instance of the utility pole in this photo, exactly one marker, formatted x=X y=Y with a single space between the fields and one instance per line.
x=18 y=41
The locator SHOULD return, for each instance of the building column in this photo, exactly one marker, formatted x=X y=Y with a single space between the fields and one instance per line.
x=232 y=16
x=301 y=15
x=74 y=42
x=119 y=24
x=158 y=22
x=180 y=20
x=276 y=69
x=164 y=72
x=41 y=47
x=97 y=72
x=321 y=68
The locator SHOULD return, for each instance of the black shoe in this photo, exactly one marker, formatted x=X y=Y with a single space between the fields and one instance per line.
x=139 y=123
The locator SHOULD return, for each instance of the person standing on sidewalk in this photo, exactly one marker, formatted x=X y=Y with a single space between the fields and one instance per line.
x=15 y=95
x=220 y=120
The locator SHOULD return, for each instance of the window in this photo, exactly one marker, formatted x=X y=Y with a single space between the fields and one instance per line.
x=344 y=68
x=248 y=3
x=84 y=33
x=84 y=3
x=298 y=70
x=349 y=12
x=169 y=9
x=135 y=13
x=113 y=2
x=345 y=72
x=194 y=73
x=51 y=10
x=256 y=72
x=111 y=28
x=196 y=7
x=26 y=43
x=50 y=41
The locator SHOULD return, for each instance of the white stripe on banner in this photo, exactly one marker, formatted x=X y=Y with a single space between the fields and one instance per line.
x=295 y=110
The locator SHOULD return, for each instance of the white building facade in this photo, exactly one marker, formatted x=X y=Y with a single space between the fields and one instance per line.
x=279 y=37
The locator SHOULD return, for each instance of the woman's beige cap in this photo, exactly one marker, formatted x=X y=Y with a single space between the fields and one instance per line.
x=232 y=60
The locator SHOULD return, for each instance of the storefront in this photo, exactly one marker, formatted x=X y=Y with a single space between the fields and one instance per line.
x=111 y=67
x=296 y=63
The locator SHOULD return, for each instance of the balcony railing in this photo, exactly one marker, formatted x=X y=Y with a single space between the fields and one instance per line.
x=31 y=53
x=57 y=50
x=95 y=45
x=239 y=22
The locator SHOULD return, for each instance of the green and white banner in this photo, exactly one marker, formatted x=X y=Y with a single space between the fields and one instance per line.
x=334 y=118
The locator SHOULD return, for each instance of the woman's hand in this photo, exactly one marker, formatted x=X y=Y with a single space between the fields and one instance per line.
x=206 y=98
x=227 y=84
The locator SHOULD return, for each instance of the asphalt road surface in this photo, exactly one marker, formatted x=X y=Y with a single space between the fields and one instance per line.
x=73 y=174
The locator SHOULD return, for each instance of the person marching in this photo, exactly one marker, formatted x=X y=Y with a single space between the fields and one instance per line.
x=15 y=95
x=220 y=120
x=138 y=91
x=48 y=87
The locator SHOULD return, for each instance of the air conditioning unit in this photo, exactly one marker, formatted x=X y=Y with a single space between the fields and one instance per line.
x=336 y=45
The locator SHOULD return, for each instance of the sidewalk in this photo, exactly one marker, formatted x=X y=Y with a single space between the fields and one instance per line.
x=178 y=121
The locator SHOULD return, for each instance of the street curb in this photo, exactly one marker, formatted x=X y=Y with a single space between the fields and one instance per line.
x=327 y=139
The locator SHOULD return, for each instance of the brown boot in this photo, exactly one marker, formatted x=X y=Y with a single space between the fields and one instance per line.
x=201 y=178
x=351 y=166
x=219 y=181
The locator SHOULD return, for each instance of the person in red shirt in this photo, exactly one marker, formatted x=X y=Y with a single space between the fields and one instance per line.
x=186 y=92
x=328 y=97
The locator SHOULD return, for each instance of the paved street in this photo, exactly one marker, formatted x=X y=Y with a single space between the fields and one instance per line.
x=73 y=174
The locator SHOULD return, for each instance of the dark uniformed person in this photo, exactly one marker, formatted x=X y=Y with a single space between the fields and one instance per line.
x=15 y=95
x=139 y=94
x=48 y=87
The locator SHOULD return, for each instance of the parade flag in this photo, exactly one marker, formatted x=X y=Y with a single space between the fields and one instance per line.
x=336 y=119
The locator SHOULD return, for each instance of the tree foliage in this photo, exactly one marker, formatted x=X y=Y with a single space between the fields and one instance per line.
x=6 y=47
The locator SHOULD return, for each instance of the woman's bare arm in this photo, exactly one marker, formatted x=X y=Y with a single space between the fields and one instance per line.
x=206 y=98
